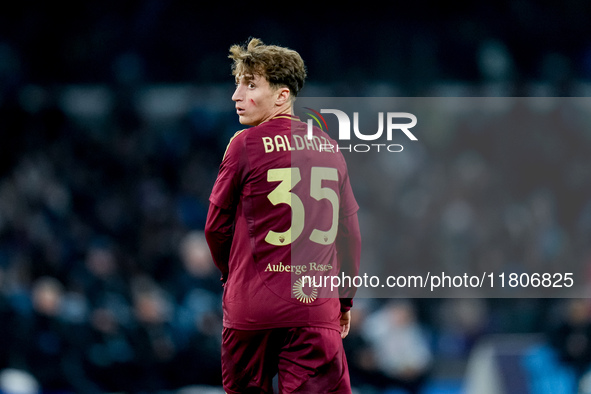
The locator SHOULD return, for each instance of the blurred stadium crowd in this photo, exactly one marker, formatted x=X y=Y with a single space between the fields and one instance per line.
x=105 y=282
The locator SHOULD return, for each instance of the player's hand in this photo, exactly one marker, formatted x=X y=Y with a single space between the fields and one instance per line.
x=345 y=323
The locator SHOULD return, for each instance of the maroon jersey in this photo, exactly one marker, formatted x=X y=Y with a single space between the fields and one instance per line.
x=286 y=195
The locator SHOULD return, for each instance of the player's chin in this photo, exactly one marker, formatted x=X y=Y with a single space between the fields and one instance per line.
x=246 y=121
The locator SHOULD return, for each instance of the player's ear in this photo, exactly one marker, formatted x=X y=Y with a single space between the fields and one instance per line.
x=283 y=95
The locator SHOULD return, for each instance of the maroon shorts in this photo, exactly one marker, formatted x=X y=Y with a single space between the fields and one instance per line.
x=306 y=359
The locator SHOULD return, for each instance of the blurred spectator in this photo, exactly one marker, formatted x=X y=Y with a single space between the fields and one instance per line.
x=363 y=368
x=197 y=290
x=400 y=346
x=197 y=271
x=199 y=359
x=460 y=324
x=108 y=351
x=99 y=276
x=47 y=344
x=571 y=338
x=152 y=337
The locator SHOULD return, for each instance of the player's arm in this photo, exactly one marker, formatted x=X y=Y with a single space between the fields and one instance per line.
x=219 y=226
x=219 y=231
x=348 y=243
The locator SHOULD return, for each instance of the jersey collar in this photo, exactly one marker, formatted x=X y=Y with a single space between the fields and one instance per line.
x=286 y=116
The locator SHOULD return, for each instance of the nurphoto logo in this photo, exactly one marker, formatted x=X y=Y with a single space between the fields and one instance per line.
x=344 y=130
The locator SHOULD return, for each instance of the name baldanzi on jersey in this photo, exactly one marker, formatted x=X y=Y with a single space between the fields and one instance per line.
x=298 y=269
x=281 y=142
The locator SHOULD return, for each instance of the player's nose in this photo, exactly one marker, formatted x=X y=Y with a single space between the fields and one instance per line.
x=238 y=94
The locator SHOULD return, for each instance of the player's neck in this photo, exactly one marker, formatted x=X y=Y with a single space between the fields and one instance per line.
x=286 y=109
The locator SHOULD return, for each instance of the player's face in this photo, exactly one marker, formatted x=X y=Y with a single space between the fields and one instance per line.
x=256 y=100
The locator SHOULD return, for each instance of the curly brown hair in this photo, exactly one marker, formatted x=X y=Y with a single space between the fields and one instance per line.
x=280 y=66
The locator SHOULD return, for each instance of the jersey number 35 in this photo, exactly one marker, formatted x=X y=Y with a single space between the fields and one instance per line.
x=282 y=194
